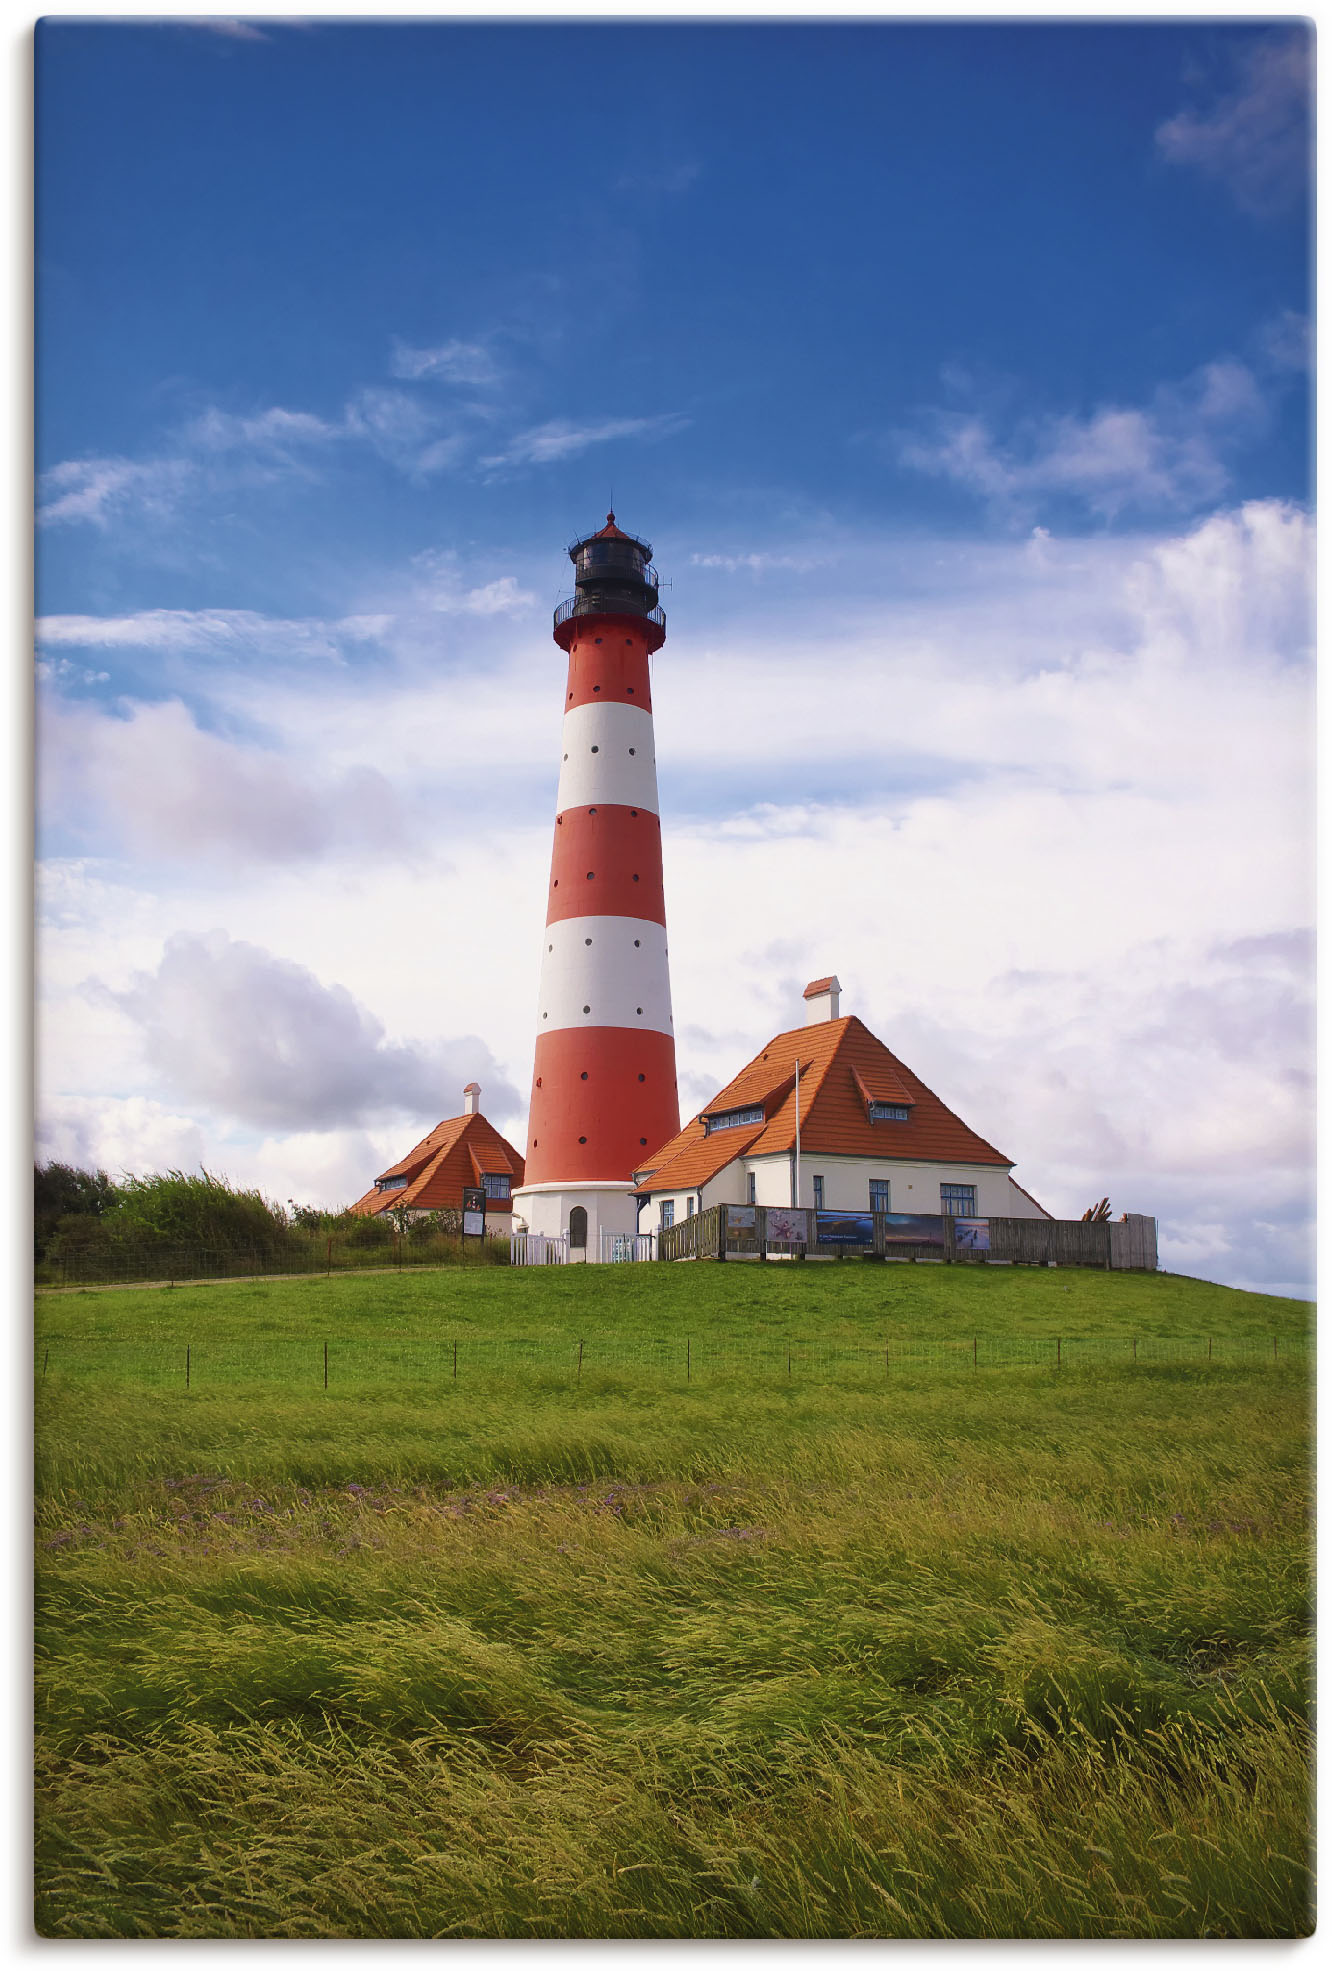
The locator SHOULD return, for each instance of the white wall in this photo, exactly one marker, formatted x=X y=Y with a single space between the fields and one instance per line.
x=609 y=1208
x=846 y=1182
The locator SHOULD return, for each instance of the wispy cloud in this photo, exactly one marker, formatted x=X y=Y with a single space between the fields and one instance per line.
x=755 y=563
x=668 y=178
x=216 y=632
x=98 y=490
x=229 y=25
x=1256 y=139
x=561 y=438
x=1169 y=456
x=275 y=430
x=449 y=362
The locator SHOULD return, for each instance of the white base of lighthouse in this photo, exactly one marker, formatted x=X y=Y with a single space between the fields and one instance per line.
x=549 y=1208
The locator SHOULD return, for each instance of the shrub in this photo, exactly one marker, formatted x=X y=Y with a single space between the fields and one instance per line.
x=63 y=1194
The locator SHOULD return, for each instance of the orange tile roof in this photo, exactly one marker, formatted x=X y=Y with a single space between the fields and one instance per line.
x=881 y=1085
x=842 y=1065
x=443 y=1164
x=816 y=986
x=694 y=1157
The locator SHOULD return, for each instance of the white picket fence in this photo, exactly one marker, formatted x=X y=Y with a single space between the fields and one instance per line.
x=539 y=1249
x=620 y=1248
x=545 y=1249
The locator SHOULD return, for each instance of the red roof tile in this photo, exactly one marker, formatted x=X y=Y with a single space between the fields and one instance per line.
x=842 y=1065
x=443 y=1164
x=816 y=986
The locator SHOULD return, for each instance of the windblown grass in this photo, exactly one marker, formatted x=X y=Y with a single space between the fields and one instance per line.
x=992 y=1652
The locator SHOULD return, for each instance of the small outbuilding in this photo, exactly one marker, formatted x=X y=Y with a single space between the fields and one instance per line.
x=825 y=1116
x=462 y=1153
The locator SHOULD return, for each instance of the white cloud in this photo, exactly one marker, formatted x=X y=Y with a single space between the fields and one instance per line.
x=1256 y=139
x=1168 y=457
x=275 y=430
x=99 y=490
x=560 y=438
x=1052 y=809
x=130 y=1136
x=238 y=1031
x=217 y=632
x=154 y=784
x=226 y=24
x=451 y=362
x=754 y=563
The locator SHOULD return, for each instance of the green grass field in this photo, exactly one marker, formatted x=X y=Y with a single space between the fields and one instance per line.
x=830 y=1601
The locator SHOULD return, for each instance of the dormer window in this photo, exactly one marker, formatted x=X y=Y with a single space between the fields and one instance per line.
x=497 y=1185
x=889 y=1112
x=390 y=1183
x=733 y=1118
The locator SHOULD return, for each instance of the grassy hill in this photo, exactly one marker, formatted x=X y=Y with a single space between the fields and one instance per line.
x=825 y=1601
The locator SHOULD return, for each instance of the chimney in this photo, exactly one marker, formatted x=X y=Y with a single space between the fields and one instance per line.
x=472 y=1099
x=822 y=998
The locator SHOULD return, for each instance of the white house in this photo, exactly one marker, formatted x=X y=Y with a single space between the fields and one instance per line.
x=826 y=1117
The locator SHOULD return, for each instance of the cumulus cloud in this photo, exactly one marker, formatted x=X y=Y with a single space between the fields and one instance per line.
x=1169 y=456
x=155 y=784
x=130 y=1135
x=1057 y=812
x=1254 y=139
x=449 y=362
x=561 y=438
x=240 y=1032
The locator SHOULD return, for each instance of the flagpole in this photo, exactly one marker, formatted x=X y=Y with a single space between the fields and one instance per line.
x=797 y=1149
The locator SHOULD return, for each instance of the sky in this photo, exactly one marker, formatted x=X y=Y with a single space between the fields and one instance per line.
x=958 y=374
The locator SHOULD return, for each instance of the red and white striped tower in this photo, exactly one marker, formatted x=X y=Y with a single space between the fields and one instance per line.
x=603 y=1085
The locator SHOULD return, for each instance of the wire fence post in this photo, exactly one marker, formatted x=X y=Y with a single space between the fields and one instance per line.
x=1059 y=1350
x=325 y=1365
x=187 y=1365
x=689 y=1361
x=455 y=1361
x=580 y=1360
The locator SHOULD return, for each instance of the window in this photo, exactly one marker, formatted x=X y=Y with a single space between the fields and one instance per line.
x=577 y=1229
x=391 y=1183
x=818 y=1194
x=958 y=1200
x=753 y=1187
x=881 y=1192
x=689 y=1205
x=667 y=1212
x=497 y=1184
x=733 y=1118
x=889 y=1112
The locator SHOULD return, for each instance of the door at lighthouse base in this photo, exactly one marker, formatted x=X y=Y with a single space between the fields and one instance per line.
x=578 y=1233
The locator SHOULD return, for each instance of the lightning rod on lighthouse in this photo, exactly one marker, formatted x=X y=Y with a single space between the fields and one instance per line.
x=603 y=1084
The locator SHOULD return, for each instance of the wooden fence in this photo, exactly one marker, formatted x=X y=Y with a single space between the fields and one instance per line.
x=742 y=1232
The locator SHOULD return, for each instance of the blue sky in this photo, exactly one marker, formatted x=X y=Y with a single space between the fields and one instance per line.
x=958 y=373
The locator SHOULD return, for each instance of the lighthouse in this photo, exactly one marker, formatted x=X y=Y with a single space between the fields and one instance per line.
x=603 y=1082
